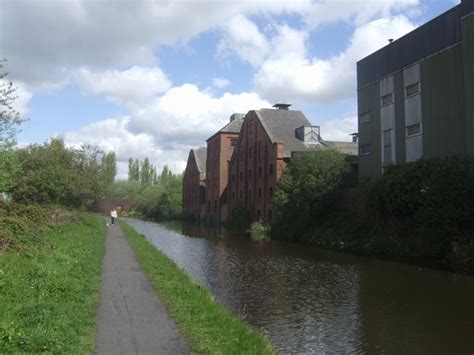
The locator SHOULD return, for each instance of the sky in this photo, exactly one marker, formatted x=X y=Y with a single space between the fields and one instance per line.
x=156 y=78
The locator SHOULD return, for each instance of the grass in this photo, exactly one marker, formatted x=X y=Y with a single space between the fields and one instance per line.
x=49 y=290
x=207 y=326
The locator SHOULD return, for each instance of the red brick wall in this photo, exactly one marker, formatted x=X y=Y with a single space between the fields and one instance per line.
x=194 y=184
x=255 y=167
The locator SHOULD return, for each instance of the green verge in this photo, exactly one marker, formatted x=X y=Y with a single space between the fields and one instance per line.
x=208 y=327
x=49 y=291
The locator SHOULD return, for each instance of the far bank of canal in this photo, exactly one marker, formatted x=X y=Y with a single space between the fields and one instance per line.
x=315 y=301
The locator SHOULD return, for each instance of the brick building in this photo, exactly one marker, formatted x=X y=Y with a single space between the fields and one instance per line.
x=220 y=147
x=267 y=139
x=194 y=184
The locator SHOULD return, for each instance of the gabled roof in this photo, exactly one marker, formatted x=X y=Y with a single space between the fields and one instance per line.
x=280 y=126
x=232 y=127
x=200 y=154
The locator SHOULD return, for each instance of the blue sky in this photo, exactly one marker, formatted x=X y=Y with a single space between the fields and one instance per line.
x=154 y=78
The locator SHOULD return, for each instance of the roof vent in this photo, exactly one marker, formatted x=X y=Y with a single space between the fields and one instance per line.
x=281 y=106
x=355 y=137
x=390 y=40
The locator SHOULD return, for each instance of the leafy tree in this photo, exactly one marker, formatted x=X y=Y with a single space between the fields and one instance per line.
x=163 y=198
x=133 y=169
x=129 y=188
x=307 y=183
x=9 y=121
x=109 y=163
x=146 y=172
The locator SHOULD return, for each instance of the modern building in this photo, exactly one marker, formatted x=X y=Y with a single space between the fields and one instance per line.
x=194 y=184
x=220 y=147
x=416 y=94
x=266 y=142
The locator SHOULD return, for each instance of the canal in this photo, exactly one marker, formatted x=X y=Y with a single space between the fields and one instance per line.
x=315 y=301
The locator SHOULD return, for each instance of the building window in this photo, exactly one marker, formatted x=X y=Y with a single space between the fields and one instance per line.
x=250 y=174
x=414 y=130
x=387 y=146
x=259 y=151
x=259 y=171
x=258 y=214
x=250 y=152
x=250 y=194
x=241 y=156
x=270 y=215
x=364 y=117
x=364 y=149
x=233 y=142
x=271 y=169
x=271 y=192
x=233 y=196
x=233 y=177
x=241 y=176
x=259 y=192
x=412 y=89
x=387 y=99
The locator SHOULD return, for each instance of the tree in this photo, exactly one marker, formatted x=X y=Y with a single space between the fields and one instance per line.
x=9 y=121
x=146 y=172
x=305 y=186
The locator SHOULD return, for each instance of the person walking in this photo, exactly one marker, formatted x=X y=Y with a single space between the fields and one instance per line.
x=113 y=215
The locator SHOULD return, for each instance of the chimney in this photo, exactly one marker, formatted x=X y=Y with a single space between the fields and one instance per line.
x=281 y=106
x=236 y=115
x=355 y=137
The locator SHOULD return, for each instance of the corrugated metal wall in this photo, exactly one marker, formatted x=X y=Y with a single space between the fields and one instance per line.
x=432 y=37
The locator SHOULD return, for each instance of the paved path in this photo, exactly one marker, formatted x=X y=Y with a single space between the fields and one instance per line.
x=132 y=320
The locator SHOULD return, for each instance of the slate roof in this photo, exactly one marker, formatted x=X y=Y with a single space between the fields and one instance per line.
x=231 y=127
x=349 y=148
x=280 y=126
x=200 y=154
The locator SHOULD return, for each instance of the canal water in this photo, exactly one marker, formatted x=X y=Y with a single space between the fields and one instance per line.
x=314 y=301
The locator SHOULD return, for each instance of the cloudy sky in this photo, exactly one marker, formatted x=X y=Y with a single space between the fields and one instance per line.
x=156 y=78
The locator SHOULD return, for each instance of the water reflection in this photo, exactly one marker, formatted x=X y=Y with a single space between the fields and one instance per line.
x=313 y=301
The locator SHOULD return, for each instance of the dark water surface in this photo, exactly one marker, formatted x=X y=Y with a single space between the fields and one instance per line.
x=314 y=301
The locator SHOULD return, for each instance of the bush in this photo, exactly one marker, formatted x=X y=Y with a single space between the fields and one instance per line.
x=259 y=231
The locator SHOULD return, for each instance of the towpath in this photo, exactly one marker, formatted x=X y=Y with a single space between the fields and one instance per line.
x=132 y=320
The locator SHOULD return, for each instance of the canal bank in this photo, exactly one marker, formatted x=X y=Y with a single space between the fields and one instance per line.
x=207 y=326
x=315 y=301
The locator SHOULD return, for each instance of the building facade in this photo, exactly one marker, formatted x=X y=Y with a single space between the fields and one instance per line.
x=416 y=95
x=194 y=184
x=266 y=142
x=220 y=147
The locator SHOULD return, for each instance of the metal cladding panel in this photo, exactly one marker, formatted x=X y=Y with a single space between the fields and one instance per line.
x=414 y=149
x=468 y=60
x=413 y=110
x=432 y=37
x=467 y=7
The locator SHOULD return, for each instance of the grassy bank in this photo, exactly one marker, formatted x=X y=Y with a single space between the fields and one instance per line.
x=208 y=327
x=49 y=289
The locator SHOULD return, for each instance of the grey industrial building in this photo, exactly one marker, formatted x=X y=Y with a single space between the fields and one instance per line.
x=416 y=94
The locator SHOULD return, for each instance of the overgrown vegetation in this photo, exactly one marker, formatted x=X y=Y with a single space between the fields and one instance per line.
x=49 y=289
x=420 y=212
x=208 y=328
x=259 y=231
x=306 y=190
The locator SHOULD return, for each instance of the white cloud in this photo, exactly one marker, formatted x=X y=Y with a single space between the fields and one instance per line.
x=132 y=87
x=293 y=77
x=164 y=131
x=186 y=116
x=339 y=129
x=220 y=82
x=244 y=38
